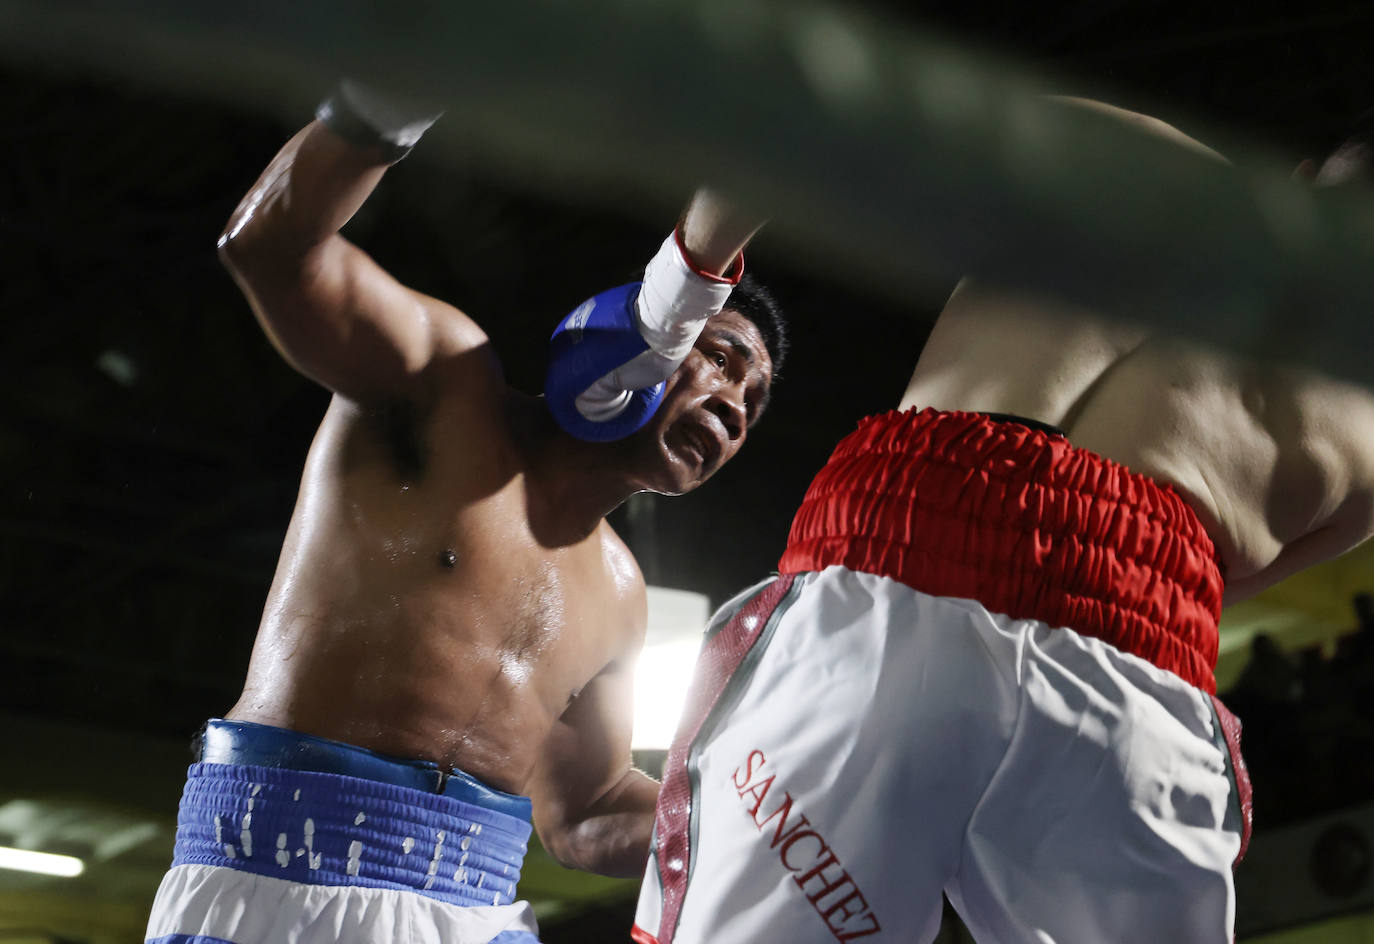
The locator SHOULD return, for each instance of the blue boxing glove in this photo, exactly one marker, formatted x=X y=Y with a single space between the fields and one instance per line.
x=609 y=358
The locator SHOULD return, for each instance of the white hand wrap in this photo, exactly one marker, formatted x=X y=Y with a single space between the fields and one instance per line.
x=674 y=303
x=368 y=118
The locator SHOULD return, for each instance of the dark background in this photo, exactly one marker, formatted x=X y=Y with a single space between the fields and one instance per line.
x=151 y=440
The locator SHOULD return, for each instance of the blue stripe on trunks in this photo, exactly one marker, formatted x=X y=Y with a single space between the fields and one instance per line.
x=326 y=829
x=505 y=937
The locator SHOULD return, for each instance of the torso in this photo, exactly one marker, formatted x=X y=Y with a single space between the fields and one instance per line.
x=1265 y=455
x=416 y=613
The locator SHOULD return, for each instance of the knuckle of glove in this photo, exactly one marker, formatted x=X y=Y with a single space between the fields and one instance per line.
x=600 y=344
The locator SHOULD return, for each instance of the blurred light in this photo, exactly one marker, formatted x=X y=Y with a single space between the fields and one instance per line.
x=44 y=863
x=661 y=680
x=835 y=57
x=677 y=619
x=119 y=367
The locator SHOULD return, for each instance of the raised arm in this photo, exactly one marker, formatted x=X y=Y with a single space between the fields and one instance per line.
x=333 y=313
x=715 y=231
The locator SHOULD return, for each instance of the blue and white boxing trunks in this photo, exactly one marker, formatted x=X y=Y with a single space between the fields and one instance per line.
x=285 y=837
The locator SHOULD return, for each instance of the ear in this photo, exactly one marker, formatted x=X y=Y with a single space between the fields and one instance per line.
x=1306 y=170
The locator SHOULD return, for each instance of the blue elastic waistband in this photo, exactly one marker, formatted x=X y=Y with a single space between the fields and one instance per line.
x=261 y=745
x=327 y=829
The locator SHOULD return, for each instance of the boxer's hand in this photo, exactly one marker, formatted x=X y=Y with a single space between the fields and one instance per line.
x=367 y=118
x=610 y=356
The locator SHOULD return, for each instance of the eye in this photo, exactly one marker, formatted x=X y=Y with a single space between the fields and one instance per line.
x=719 y=359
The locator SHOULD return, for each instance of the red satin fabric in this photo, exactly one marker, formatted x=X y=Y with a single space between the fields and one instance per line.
x=960 y=505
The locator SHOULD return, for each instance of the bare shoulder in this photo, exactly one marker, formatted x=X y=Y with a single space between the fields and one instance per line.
x=626 y=594
x=464 y=361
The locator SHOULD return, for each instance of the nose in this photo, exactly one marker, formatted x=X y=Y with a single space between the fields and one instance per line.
x=726 y=405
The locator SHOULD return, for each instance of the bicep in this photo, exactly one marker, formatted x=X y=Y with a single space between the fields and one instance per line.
x=342 y=320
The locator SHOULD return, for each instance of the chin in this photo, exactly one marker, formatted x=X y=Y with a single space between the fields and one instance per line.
x=673 y=481
x=672 y=476
x=663 y=471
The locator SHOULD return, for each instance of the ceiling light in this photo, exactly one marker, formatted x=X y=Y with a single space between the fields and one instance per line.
x=44 y=863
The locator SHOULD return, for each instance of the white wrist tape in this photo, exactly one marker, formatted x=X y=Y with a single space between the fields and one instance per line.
x=674 y=303
x=676 y=300
x=368 y=118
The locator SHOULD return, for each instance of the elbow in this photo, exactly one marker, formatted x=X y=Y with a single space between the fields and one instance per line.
x=591 y=847
x=225 y=250
x=577 y=845
x=254 y=256
x=560 y=842
x=234 y=248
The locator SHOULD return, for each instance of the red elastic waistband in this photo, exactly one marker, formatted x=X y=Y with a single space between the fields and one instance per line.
x=960 y=505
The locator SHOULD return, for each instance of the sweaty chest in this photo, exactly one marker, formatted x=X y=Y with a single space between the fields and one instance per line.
x=451 y=541
x=535 y=609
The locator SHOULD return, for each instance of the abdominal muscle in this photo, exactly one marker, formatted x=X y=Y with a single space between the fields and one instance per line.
x=454 y=638
x=396 y=667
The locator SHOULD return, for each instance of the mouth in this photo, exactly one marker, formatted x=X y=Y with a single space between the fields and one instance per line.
x=701 y=440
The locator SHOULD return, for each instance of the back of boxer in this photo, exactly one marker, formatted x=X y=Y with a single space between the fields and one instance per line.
x=986 y=666
x=447 y=645
x=1276 y=460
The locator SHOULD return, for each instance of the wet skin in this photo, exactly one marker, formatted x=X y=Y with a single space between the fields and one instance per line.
x=1277 y=461
x=449 y=589
x=453 y=612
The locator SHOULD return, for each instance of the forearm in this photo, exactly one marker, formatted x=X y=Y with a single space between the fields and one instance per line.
x=612 y=836
x=307 y=193
x=715 y=230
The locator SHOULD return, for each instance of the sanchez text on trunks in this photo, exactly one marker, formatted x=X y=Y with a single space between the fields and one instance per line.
x=847 y=916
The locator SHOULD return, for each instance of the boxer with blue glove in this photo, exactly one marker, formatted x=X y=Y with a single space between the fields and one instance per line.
x=445 y=656
x=610 y=356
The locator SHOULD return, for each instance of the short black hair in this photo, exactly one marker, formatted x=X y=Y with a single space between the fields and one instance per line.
x=1357 y=147
x=1361 y=133
x=752 y=299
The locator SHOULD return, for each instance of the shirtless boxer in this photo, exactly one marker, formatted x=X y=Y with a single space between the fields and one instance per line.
x=896 y=715
x=453 y=624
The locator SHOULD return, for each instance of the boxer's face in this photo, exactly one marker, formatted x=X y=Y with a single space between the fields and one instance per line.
x=708 y=405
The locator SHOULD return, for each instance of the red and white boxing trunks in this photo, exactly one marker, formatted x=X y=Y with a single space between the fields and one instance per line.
x=902 y=713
